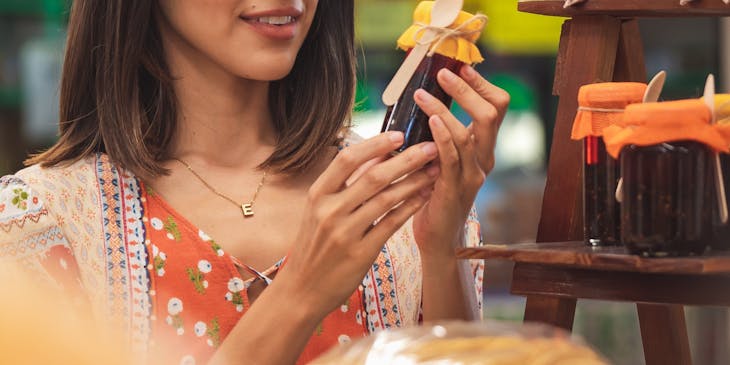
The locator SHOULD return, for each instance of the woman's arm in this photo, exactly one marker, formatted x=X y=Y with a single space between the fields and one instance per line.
x=274 y=330
x=466 y=156
x=448 y=289
x=336 y=245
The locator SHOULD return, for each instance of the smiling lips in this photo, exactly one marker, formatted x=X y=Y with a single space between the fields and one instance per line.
x=278 y=24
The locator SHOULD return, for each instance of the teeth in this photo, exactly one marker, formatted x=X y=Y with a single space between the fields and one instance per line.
x=275 y=20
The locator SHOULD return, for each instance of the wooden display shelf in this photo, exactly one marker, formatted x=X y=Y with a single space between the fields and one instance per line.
x=632 y=8
x=613 y=258
x=601 y=43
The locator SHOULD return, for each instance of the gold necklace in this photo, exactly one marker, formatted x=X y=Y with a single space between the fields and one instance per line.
x=246 y=208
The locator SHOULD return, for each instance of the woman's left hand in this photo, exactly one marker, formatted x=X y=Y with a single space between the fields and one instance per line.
x=466 y=156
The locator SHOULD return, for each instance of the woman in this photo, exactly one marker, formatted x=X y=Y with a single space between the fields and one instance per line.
x=197 y=151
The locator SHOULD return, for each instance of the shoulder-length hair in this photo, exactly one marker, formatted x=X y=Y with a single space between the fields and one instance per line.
x=117 y=95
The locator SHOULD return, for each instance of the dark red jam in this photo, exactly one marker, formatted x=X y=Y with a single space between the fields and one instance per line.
x=667 y=202
x=405 y=115
x=601 y=215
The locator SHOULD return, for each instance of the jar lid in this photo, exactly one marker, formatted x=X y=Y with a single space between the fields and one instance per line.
x=601 y=105
x=456 y=41
x=654 y=123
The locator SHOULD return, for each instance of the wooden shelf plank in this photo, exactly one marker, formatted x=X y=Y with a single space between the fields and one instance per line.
x=579 y=255
x=640 y=287
x=627 y=8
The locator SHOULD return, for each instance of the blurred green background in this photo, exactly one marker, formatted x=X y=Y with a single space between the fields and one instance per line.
x=520 y=57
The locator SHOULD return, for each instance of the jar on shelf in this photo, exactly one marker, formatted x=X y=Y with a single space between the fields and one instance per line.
x=667 y=165
x=599 y=106
x=449 y=48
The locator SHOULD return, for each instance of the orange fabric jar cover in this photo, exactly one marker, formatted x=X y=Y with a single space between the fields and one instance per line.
x=602 y=104
x=653 y=123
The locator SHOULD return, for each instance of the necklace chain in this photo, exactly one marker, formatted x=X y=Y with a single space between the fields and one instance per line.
x=246 y=208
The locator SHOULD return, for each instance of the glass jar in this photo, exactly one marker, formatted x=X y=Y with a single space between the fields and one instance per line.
x=667 y=198
x=602 y=223
x=405 y=115
x=601 y=106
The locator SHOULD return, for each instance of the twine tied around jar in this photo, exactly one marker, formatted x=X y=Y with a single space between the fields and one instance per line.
x=600 y=110
x=457 y=40
x=602 y=104
x=441 y=34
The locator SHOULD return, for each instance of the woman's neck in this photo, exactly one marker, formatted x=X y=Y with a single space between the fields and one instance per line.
x=223 y=124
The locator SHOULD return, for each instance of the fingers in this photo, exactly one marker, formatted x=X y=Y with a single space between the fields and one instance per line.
x=433 y=106
x=417 y=183
x=362 y=169
x=485 y=126
x=448 y=154
x=456 y=147
x=350 y=159
x=476 y=105
x=390 y=223
x=380 y=176
x=494 y=95
x=484 y=102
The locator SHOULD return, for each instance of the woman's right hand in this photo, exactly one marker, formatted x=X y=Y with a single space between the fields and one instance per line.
x=336 y=245
x=338 y=240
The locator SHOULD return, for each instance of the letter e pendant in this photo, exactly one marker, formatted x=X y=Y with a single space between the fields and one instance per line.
x=247 y=210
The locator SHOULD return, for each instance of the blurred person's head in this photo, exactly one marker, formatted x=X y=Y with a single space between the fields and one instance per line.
x=118 y=91
x=40 y=325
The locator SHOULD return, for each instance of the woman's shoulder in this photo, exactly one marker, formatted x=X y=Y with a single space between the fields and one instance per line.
x=21 y=211
x=38 y=198
x=28 y=197
x=66 y=174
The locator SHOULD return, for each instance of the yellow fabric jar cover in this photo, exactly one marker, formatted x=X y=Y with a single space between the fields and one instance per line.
x=654 y=123
x=602 y=104
x=460 y=48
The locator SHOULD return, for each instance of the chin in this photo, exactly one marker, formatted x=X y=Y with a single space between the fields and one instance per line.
x=264 y=68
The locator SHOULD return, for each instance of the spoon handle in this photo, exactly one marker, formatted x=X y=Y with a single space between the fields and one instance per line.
x=404 y=74
x=720 y=187
x=709 y=98
x=653 y=91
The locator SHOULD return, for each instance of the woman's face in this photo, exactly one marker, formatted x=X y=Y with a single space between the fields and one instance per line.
x=253 y=39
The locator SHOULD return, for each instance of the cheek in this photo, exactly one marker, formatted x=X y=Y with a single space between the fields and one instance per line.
x=261 y=66
x=210 y=31
x=198 y=21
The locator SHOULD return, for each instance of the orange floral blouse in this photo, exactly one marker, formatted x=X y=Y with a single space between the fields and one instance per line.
x=198 y=293
x=91 y=228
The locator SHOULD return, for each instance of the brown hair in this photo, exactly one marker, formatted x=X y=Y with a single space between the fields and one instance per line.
x=117 y=95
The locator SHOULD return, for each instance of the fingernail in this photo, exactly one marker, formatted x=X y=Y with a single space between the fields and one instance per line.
x=448 y=75
x=423 y=96
x=433 y=171
x=470 y=72
x=429 y=149
x=437 y=122
x=395 y=137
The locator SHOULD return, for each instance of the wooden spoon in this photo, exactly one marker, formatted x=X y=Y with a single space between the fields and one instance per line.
x=719 y=179
x=651 y=95
x=443 y=14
